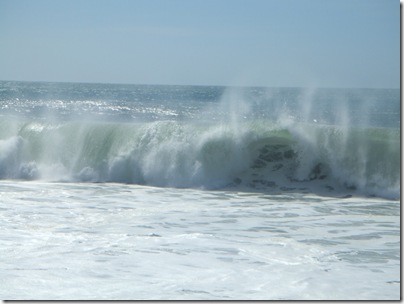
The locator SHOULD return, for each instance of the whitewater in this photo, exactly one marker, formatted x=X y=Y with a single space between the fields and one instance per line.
x=143 y=192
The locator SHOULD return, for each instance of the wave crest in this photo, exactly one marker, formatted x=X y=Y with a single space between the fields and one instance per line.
x=258 y=155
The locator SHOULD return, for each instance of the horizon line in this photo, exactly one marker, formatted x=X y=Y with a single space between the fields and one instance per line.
x=198 y=85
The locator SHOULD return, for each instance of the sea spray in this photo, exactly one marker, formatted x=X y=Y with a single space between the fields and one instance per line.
x=209 y=156
x=332 y=134
x=235 y=108
x=274 y=140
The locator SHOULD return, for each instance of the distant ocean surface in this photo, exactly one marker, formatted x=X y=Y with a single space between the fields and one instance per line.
x=142 y=192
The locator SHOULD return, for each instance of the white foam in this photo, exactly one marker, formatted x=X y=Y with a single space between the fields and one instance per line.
x=181 y=244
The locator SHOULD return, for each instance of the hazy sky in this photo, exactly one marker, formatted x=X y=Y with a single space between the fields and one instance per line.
x=322 y=43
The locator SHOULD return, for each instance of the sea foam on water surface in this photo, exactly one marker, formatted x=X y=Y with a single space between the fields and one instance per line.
x=140 y=242
x=174 y=192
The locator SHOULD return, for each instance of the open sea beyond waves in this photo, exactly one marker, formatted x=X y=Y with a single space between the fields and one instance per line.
x=141 y=192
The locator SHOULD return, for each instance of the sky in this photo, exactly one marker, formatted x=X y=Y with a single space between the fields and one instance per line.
x=273 y=43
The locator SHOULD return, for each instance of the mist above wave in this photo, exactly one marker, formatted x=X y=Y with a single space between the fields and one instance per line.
x=210 y=137
x=144 y=103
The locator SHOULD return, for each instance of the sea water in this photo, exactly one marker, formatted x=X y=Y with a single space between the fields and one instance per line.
x=193 y=192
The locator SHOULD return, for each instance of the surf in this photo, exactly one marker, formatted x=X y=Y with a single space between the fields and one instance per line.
x=258 y=155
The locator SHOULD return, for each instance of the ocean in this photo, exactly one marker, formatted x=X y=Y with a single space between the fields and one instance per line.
x=153 y=192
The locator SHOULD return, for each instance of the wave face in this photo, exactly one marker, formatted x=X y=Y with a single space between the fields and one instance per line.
x=259 y=156
x=329 y=141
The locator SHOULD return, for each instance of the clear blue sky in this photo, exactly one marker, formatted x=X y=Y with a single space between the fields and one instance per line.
x=321 y=43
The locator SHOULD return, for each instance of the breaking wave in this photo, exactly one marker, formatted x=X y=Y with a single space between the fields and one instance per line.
x=258 y=156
